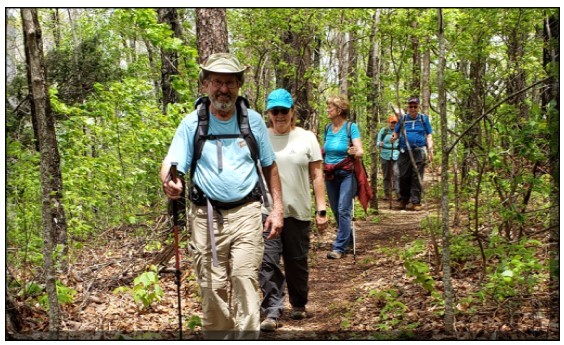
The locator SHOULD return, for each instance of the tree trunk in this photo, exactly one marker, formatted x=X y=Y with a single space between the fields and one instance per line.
x=342 y=58
x=314 y=119
x=448 y=294
x=54 y=221
x=551 y=105
x=292 y=75
x=373 y=118
x=56 y=27
x=426 y=82
x=416 y=67
x=351 y=70
x=169 y=59
x=211 y=33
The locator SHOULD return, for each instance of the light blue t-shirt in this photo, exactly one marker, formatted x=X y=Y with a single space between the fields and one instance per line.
x=337 y=144
x=239 y=175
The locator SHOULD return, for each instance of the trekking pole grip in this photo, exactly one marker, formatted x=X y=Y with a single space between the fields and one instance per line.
x=173 y=172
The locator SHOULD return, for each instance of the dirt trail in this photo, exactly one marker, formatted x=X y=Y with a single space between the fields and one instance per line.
x=336 y=285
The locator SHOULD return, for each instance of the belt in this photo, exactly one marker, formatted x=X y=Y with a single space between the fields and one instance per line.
x=202 y=201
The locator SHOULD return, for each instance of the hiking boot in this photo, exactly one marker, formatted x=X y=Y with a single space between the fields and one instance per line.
x=269 y=325
x=402 y=204
x=298 y=313
x=413 y=207
x=334 y=255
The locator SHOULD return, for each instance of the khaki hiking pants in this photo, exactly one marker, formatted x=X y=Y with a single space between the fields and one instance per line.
x=240 y=247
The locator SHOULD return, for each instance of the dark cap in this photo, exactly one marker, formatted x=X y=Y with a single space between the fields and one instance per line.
x=413 y=100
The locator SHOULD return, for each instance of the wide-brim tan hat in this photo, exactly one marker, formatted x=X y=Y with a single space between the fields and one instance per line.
x=223 y=63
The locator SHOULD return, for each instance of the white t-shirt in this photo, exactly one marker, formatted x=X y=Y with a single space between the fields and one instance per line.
x=294 y=151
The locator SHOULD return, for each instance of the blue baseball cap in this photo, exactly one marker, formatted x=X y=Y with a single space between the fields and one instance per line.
x=279 y=98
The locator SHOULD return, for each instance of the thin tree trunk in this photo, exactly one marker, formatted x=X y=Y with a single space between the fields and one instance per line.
x=169 y=59
x=426 y=82
x=56 y=27
x=448 y=294
x=373 y=118
x=416 y=67
x=54 y=221
x=351 y=70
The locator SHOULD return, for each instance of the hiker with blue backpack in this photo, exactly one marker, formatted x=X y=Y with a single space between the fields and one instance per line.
x=224 y=145
x=416 y=147
x=389 y=154
x=340 y=179
x=299 y=160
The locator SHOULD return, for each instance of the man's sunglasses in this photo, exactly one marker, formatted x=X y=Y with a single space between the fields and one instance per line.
x=276 y=111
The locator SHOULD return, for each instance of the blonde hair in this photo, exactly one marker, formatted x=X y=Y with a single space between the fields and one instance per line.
x=342 y=103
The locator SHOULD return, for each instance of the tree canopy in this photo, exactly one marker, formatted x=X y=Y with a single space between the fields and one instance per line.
x=495 y=69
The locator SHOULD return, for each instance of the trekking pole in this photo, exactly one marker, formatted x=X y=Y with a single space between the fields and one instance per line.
x=173 y=173
x=391 y=173
x=354 y=234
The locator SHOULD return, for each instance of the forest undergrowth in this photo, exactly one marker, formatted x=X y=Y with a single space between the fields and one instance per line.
x=391 y=289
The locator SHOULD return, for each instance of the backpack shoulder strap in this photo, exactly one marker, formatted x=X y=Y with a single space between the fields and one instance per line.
x=349 y=125
x=422 y=118
x=242 y=105
x=326 y=130
x=244 y=127
x=202 y=107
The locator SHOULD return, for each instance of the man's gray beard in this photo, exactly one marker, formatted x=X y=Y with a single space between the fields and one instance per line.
x=223 y=106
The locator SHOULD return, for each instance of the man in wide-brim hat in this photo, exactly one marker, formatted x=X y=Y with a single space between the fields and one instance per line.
x=225 y=181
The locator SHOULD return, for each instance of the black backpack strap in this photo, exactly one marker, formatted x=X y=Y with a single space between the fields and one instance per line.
x=242 y=105
x=200 y=137
x=422 y=119
x=349 y=125
x=243 y=118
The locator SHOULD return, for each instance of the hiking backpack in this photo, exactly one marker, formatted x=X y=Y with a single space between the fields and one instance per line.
x=421 y=119
x=201 y=135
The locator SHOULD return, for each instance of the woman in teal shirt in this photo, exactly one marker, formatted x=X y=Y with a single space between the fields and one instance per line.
x=340 y=179
x=389 y=154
